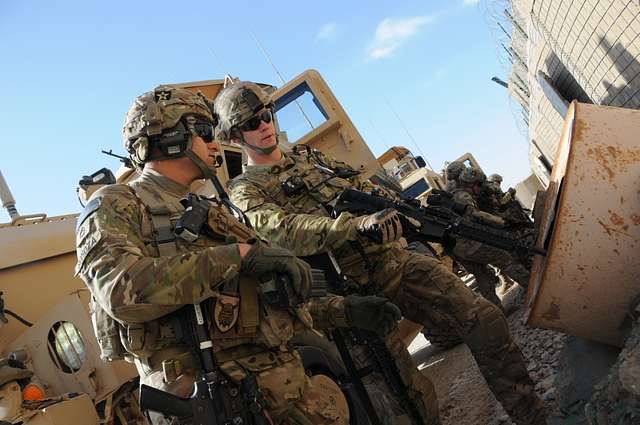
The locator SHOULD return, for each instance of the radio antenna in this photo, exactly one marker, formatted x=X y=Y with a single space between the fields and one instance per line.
x=275 y=69
x=408 y=134
x=219 y=62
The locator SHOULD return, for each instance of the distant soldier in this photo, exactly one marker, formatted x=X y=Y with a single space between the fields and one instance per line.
x=493 y=200
x=287 y=197
x=453 y=173
x=145 y=265
x=471 y=183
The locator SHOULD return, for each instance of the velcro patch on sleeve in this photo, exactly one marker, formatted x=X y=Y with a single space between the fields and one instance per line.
x=89 y=209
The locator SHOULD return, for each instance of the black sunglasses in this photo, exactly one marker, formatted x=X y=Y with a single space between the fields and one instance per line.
x=252 y=124
x=204 y=129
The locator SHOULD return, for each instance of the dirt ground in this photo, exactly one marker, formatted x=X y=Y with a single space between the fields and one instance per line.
x=462 y=392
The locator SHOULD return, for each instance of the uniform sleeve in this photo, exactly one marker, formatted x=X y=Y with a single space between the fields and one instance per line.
x=465 y=198
x=358 y=183
x=303 y=234
x=328 y=313
x=129 y=283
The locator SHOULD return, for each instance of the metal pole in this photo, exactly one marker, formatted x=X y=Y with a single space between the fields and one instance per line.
x=7 y=199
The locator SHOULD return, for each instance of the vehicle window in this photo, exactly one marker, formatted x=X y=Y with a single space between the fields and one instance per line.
x=416 y=189
x=234 y=163
x=66 y=347
x=299 y=112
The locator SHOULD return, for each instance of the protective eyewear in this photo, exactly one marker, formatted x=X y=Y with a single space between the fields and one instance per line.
x=252 y=124
x=205 y=130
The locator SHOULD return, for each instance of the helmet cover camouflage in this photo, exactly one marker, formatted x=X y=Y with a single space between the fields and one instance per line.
x=237 y=103
x=156 y=111
x=495 y=178
x=472 y=175
x=454 y=169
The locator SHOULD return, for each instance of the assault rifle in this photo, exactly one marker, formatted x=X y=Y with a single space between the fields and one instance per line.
x=382 y=361
x=216 y=400
x=441 y=221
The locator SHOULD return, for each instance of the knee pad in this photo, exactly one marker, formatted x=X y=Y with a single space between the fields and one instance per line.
x=490 y=330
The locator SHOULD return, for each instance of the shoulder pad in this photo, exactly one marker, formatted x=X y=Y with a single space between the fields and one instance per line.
x=110 y=191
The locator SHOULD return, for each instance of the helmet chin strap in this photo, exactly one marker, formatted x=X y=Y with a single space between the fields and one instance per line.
x=264 y=151
x=207 y=171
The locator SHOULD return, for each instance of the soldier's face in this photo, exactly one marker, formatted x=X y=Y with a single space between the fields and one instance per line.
x=262 y=137
x=206 y=151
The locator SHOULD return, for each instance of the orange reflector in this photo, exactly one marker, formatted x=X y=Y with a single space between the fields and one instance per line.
x=33 y=392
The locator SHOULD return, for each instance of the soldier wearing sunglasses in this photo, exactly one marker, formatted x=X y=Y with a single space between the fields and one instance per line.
x=287 y=197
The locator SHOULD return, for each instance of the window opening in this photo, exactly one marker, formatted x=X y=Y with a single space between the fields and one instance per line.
x=416 y=189
x=66 y=347
x=299 y=112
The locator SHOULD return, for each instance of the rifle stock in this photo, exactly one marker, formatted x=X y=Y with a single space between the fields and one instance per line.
x=164 y=402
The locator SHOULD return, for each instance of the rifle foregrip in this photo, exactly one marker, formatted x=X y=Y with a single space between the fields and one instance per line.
x=163 y=402
x=319 y=284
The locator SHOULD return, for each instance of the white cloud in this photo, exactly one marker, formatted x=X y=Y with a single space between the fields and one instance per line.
x=470 y=2
x=327 y=32
x=392 y=33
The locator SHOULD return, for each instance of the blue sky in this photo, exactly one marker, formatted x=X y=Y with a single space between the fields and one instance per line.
x=71 y=69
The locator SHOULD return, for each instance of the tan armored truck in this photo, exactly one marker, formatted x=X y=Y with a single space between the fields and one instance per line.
x=415 y=179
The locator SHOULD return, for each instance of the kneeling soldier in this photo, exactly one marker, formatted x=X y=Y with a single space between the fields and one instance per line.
x=287 y=197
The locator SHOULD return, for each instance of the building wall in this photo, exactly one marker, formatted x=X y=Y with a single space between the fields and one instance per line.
x=590 y=51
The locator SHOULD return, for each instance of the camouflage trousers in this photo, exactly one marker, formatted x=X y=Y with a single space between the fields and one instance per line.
x=486 y=279
x=290 y=396
x=468 y=251
x=429 y=294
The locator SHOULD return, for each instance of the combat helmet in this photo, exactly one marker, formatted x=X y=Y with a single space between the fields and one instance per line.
x=472 y=176
x=160 y=123
x=238 y=102
x=454 y=169
x=495 y=178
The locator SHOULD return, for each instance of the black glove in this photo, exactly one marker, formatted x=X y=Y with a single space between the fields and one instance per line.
x=372 y=313
x=262 y=259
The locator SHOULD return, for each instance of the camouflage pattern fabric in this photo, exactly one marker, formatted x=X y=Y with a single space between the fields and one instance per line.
x=426 y=292
x=476 y=252
x=234 y=106
x=133 y=284
x=486 y=278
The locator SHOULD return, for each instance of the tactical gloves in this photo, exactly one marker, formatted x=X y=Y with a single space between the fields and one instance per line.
x=262 y=259
x=382 y=227
x=371 y=313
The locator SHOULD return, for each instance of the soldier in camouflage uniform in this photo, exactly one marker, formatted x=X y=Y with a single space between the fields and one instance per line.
x=141 y=271
x=453 y=173
x=468 y=251
x=287 y=196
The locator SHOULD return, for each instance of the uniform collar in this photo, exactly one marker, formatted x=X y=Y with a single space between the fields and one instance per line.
x=271 y=168
x=165 y=183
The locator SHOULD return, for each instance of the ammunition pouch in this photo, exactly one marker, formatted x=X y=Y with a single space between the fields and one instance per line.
x=145 y=339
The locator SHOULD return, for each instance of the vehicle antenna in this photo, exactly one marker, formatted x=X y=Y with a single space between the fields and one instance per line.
x=408 y=134
x=7 y=199
x=379 y=134
x=219 y=62
x=266 y=55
